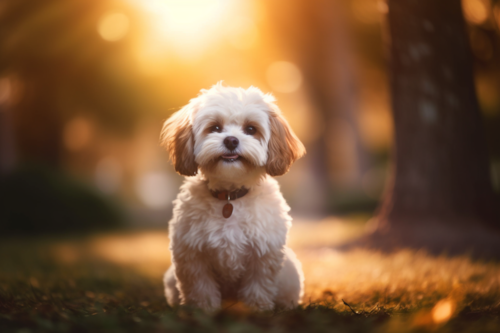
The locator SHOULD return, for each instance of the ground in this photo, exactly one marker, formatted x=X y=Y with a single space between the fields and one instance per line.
x=112 y=282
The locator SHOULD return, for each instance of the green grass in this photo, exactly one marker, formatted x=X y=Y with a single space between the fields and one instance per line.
x=112 y=282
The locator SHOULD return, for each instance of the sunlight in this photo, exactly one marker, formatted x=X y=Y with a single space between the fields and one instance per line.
x=148 y=248
x=113 y=26
x=189 y=26
x=151 y=57
x=406 y=279
x=242 y=33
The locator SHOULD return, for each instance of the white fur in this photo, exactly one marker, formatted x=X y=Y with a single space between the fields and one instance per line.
x=242 y=257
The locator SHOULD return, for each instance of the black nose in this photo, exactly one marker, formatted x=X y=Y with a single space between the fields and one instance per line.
x=231 y=142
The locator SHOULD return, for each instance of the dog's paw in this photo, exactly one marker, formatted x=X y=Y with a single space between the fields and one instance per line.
x=258 y=297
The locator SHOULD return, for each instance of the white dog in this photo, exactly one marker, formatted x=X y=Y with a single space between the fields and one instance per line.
x=230 y=221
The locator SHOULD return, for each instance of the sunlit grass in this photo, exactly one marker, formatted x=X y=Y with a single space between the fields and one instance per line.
x=115 y=280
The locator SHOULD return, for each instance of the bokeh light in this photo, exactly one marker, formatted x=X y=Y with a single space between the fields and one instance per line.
x=113 y=26
x=77 y=133
x=284 y=76
x=443 y=311
x=476 y=11
x=155 y=189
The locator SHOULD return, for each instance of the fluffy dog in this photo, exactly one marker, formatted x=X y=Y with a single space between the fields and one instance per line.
x=230 y=222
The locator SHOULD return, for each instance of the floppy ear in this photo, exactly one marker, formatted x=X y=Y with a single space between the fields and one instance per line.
x=177 y=138
x=284 y=146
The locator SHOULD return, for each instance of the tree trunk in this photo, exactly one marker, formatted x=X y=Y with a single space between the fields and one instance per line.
x=440 y=196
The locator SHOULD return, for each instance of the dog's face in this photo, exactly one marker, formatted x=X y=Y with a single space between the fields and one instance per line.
x=229 y=133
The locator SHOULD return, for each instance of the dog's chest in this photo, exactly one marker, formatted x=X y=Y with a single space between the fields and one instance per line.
x=229 y=249
x=230 y=246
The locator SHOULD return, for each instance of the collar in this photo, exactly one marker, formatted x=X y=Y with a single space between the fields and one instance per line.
x=229 y=195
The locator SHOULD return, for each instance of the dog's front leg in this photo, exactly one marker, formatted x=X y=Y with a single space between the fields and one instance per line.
x=196 y=283
x=258 y=289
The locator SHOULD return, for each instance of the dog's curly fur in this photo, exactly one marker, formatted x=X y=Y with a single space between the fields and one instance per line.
x=242 y=257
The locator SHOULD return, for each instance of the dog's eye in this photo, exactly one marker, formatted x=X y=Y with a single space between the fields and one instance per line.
x=250 y=130
x=215 y=128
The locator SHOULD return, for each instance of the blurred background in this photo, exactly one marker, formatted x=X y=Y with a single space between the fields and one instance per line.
x=86 y=85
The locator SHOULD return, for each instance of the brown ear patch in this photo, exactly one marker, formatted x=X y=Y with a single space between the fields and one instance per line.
x=284 y=146
x=177 y=138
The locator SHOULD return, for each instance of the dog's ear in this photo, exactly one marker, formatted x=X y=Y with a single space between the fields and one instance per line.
x=284 y=146
x=177 y=138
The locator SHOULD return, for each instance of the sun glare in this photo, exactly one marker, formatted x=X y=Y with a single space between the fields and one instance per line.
x=113 y=26
x=242 y=33
x=187 y=25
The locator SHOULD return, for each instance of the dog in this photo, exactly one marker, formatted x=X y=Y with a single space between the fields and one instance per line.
x=230 y=221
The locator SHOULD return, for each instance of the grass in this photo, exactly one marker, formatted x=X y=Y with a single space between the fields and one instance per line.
x=112 y=282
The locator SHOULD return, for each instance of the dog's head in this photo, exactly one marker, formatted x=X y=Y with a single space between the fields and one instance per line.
x=230 y=131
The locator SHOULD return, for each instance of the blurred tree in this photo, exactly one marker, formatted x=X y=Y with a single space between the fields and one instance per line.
x=61 y=68
x=440 y=196
x=64 y=68
x=318 y=35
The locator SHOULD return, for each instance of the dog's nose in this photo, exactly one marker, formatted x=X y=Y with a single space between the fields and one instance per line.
x=231 y=142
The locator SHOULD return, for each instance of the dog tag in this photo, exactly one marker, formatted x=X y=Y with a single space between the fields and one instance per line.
x=227 y=210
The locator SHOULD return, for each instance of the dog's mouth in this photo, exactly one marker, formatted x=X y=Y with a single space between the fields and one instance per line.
x=230 y=157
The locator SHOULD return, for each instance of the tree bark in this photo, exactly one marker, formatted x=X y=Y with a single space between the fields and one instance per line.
x=440 y=195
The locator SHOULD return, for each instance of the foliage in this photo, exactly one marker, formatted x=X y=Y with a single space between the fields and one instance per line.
x=38 y=200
